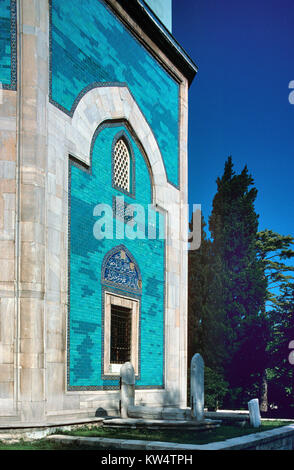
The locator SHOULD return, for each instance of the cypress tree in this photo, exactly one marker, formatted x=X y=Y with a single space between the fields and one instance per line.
x=205 y=326
x=233 y=225
x=205 y=323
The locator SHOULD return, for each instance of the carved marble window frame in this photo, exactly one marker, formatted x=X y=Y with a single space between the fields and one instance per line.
x=110 y=298
x=124 y=296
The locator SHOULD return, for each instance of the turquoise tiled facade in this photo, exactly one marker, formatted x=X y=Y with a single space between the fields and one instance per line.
x=89 y=45
x=86 y=254
x=7 y=43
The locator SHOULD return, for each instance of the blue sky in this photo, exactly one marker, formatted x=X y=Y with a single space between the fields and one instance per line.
x=239 y=100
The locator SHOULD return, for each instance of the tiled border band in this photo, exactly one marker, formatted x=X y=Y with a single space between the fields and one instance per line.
x=13 y=46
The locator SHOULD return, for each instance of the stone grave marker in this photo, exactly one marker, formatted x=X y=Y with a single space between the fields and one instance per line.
x=127 y=388
x=254 y=413
x=197 y=387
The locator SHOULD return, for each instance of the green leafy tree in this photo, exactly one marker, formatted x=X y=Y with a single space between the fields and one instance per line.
x=273 y=249
x=215 y=387
x=240 y=304
x=281 y=372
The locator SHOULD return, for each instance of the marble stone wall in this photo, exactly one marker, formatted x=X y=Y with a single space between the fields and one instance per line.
x=36 y=140
x=7 y=251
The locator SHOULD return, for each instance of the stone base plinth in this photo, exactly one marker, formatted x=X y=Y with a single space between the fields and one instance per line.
x=135 y=423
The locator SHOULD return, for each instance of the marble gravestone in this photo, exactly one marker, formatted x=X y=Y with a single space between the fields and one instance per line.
x=254 y=413
x=127 y=388
x=197 y=387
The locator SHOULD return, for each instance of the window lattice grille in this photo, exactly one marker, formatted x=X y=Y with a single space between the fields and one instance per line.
x=121 y=166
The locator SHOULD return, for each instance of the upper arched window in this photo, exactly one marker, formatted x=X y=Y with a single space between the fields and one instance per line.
x=122 y=166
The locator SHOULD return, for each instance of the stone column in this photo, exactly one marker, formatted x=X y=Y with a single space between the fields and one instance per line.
x=33 y=97
x=182 y=310
x=197 y=387
x=127 y=388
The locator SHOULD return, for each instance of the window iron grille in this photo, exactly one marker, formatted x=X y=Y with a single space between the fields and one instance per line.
x=120 y=341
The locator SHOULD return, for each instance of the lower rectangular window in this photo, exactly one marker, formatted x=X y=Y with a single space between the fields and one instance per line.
x=120 y=336
x=121 y=333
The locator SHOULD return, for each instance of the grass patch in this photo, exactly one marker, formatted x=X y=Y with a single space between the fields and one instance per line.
x=41 y=444
x=183 y=437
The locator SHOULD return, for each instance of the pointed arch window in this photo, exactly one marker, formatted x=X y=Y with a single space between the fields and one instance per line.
x=123 y=164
